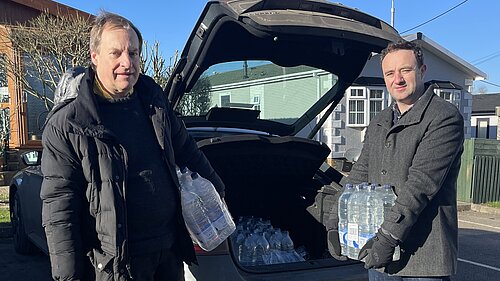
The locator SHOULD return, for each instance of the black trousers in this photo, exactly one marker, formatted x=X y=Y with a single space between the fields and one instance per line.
x=162 y=265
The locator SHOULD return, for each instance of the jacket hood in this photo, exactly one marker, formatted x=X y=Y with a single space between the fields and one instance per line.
x=68 y=86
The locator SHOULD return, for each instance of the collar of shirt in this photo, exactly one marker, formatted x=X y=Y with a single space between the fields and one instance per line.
x=397 y=113
x=102 y=92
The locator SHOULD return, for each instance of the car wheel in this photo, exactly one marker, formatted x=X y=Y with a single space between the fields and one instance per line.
x=22 y=244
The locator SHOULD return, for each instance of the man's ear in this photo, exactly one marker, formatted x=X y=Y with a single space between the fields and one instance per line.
x=93 y=57
x=423 y=69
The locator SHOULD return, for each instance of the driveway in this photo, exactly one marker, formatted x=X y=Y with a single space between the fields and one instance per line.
x=479 y=241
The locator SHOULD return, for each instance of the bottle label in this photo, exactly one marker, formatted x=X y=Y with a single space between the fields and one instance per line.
x=353 y=235
x=207 y=235
x=220 y=223
x=364 y=238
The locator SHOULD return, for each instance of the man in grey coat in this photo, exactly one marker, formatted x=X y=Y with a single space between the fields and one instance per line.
x=414 y=145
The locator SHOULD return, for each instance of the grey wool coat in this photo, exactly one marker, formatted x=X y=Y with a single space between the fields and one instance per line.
x=420 y=157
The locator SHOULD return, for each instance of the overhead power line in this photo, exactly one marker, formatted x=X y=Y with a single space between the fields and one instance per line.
x=486 y=58
x=493 y=84
x=440 y=15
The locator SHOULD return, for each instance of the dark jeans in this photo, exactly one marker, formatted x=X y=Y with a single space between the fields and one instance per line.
x=163 y=265
x=374 y=275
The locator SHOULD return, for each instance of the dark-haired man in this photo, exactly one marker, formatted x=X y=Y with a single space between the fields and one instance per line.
x=415 y=146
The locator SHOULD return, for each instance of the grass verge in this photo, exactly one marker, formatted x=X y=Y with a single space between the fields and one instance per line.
x=4 y=197
x=493 y=204
x=4 y=216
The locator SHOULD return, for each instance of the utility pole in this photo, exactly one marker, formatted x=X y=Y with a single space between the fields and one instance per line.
x=393 y=13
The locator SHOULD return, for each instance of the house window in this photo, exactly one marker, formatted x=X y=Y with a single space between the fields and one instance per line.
x=363 y=103
x=256 y=102
x=449 y=95
x=376 y=101
x=225 y=100
x=358 y=92
x=356 y=112
x=482 y=128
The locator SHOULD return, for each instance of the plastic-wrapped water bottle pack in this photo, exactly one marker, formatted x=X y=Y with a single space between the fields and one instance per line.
x=206 y=215
x=256 y=242
x=361 y=212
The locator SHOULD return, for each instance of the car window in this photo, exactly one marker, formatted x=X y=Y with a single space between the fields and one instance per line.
x=281 y=94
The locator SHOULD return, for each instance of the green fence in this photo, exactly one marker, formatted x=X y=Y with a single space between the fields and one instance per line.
x=479 y=176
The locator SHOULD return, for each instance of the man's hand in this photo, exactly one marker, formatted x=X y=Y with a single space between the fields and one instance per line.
x=378 y=251
x=324 y=210
x=334 y=245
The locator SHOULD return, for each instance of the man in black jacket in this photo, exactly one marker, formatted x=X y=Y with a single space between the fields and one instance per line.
x=110 y=190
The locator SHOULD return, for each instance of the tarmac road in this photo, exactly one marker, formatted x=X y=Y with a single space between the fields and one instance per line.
x=479 y=256
x=15 y=267
x=478 y=247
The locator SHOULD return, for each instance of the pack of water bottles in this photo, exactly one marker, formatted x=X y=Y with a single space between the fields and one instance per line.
x=361 y=210
x=256 y=242
x=206 y=216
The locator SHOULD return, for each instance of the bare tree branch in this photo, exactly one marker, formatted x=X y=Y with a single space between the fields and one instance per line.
x=45 y=48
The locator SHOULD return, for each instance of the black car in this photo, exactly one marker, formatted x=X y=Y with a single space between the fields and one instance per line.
x=254 y=83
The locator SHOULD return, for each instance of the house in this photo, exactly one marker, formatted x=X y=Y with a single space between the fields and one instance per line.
x=18 y=111
x=265 y=87
x=485 y=116
x=452 y=76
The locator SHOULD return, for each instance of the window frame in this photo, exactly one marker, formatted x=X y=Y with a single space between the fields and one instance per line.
x=224 y=95
x=366 y=99
x=455 y=95
x=487 y=128
x=382 y=99
x=358 y=98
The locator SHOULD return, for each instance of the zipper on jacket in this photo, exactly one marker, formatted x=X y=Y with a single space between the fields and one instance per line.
x=124 y=195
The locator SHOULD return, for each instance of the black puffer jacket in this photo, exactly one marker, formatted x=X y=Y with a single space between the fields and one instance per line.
x=85 y=170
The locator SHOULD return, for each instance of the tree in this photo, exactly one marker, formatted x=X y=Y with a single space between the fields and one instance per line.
x=482 y=90
x=198 y=101
x=44 y=48
x=153 y=63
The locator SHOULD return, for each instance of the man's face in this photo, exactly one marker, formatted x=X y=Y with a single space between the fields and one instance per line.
x=403 y=78
x=117 y=60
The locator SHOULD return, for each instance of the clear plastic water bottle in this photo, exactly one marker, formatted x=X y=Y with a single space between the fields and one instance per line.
x=388 y=198
x=239 y=239
x=371 y=214
x=288 y=248
x=261 y=249
x=216 y=209
x=197 y=222
x=247 y=249
x=276 y=254
x=354 y=205
x=342 y=214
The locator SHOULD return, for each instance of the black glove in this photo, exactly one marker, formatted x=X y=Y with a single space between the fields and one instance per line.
x=324 y=210
x=378 y=250
x=334 y=245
